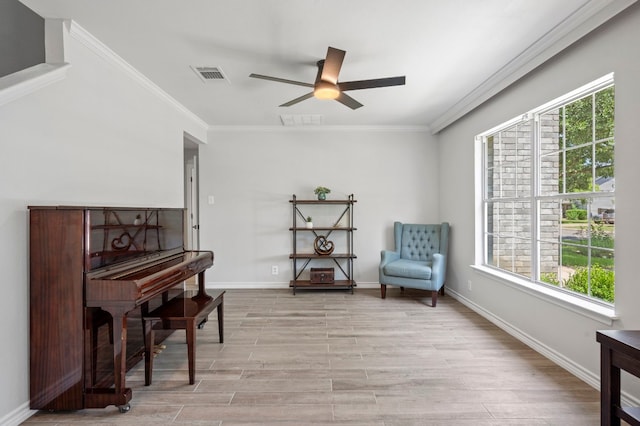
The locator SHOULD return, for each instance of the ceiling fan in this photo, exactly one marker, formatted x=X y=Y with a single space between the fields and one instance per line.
x=327 y=85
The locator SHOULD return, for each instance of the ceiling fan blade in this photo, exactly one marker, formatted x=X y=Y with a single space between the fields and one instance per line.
x=296 y=100
x=332 y=65
x=280 y=80
x=371 y=84
x=348 y=101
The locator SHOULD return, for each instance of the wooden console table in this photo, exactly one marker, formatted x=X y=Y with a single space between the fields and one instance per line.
x=619 y=349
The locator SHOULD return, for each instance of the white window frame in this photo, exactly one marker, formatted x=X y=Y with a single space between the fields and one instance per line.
x=600 y=311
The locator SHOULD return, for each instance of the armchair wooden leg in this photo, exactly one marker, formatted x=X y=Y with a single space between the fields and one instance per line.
x=434 y=298
x=383 y=291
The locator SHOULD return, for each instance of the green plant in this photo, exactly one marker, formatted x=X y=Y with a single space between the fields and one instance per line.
x=309 y=219
x=321 y=190
x=576 y=214
x=602 y=282
x=550 y=278
x=599 y=235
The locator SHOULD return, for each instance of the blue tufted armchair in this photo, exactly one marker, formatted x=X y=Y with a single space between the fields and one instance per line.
x=419 y=260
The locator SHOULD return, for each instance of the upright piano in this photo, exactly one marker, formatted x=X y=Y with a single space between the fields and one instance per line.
x=93 y=272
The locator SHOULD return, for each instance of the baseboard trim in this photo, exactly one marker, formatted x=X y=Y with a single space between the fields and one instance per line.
x=577 y=370
x=269 y=285
x=17 y=416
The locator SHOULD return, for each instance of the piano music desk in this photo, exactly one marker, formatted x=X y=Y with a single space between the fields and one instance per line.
x=184 y=312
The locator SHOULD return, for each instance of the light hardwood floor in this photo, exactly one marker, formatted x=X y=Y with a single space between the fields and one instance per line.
x=333 y=358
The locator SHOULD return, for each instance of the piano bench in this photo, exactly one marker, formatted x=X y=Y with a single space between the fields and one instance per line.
x=181 y=313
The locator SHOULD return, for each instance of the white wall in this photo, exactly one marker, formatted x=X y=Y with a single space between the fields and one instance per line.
x=612 y=48
x=95 y=138
x=252 y=175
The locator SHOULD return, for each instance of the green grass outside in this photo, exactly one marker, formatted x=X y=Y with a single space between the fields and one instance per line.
x=574 y=256
x=577 y=256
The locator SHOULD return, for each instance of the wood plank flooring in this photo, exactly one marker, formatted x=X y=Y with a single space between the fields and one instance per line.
x=333 y=358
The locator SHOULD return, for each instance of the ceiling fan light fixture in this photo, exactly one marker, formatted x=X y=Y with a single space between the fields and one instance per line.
x=326 y=90
x=326 y=85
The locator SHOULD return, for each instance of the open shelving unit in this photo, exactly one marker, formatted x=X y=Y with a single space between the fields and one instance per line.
x=342 y=256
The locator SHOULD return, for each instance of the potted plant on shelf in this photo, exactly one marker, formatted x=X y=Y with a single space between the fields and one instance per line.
x=321 y=192
x=309 y=222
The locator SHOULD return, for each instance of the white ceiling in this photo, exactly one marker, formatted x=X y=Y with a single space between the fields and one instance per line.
x=446 y=48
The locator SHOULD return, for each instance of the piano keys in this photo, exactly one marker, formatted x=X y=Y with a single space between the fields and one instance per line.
x=92 y=267
x=139 y=281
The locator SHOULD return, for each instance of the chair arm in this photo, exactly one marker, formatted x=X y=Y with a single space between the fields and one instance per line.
x=439 y=269
x=387 y=256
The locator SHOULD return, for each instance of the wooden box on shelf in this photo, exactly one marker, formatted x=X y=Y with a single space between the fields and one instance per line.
x=322 y=275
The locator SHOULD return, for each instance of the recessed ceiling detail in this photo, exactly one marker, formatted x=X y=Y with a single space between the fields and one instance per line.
x=209 y=74
x=302 y=119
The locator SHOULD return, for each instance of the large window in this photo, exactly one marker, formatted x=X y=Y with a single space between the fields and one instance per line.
x=548 y=197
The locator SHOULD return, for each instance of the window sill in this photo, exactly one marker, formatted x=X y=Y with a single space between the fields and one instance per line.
x=603 y=314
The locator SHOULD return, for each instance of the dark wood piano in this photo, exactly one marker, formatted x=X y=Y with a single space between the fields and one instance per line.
x=93 y=272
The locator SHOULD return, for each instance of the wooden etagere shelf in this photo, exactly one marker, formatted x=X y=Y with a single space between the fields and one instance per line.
x=303 y=258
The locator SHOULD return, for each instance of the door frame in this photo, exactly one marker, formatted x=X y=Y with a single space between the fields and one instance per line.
x=191 y=191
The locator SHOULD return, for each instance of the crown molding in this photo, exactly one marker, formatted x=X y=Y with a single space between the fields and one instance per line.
x=26 y=81
x=319 y=128
x=100 y=49
x=580 y=23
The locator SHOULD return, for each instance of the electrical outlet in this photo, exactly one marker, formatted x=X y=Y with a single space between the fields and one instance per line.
x=274 y=270
x=469 y=284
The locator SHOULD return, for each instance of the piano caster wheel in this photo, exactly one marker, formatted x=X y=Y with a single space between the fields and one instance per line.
x=124 y=408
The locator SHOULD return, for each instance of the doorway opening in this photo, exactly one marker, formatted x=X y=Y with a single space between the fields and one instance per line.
x=191 y=165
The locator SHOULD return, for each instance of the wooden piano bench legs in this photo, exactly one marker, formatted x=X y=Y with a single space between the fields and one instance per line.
x=181 y=313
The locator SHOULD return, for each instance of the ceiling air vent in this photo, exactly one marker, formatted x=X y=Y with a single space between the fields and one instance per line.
x=209 y=74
